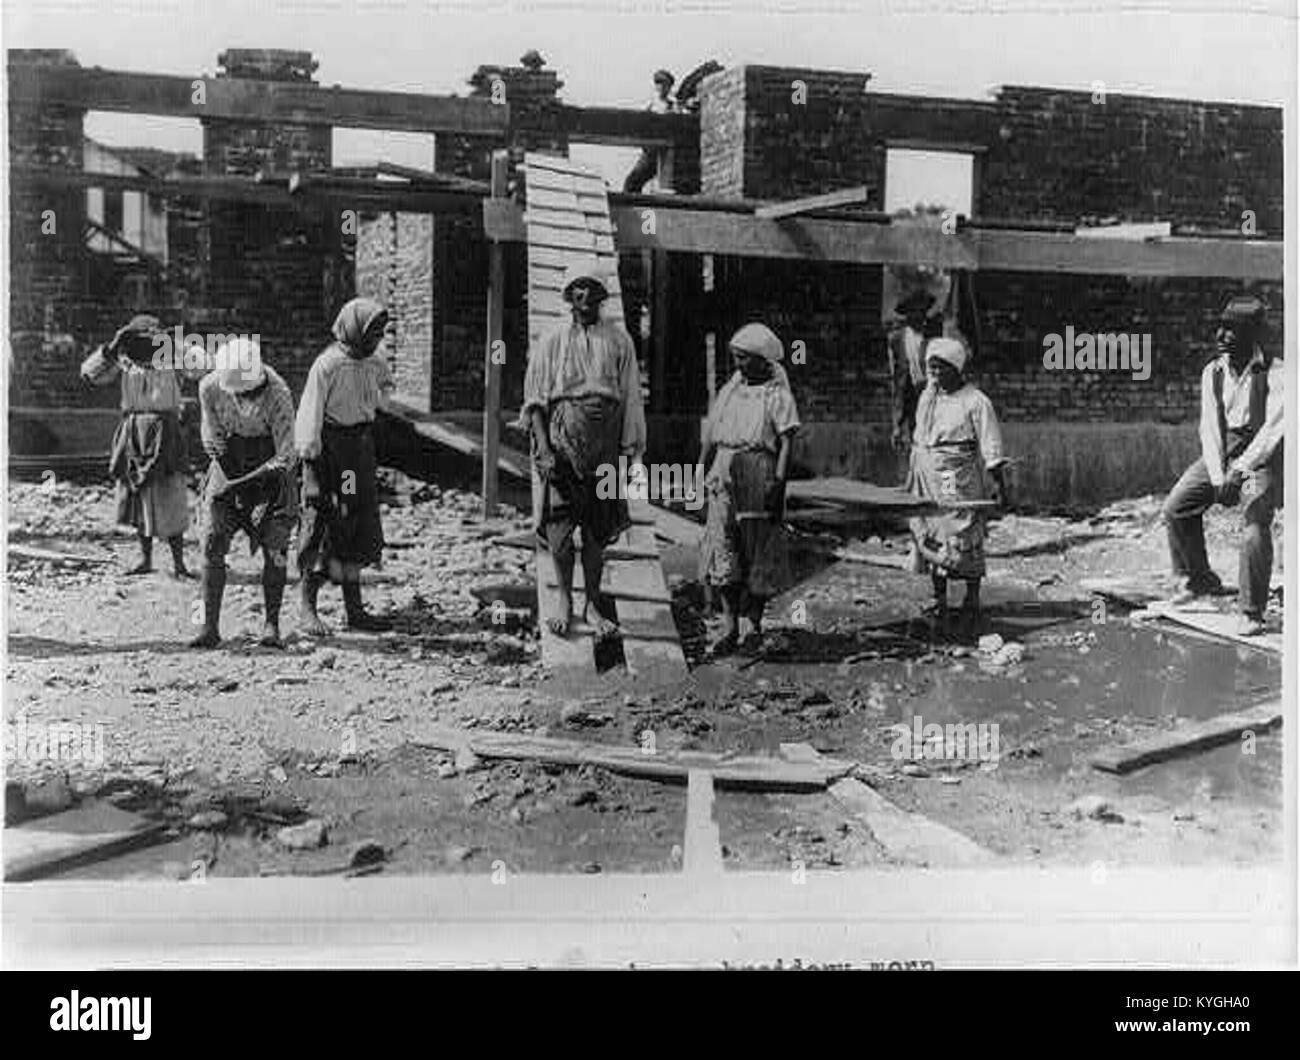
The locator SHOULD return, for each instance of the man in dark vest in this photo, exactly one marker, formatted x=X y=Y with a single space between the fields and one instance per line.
x=1241 y=459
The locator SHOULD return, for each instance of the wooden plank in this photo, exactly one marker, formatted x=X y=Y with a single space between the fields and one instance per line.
x=496 y=304
x=657 y=659
x=248 y=100
x=911 y=838
x=550 y=218
x=853 y=493
x=628 y=127
x=702 y=845
x=455 y=437
x=545 y=199
x=740 y=772
x=843 y=197
x=573 y=653
x=1221 y=624
x=1198 y=736
x=47 y=555
x=50 y=845
x=682 y=230
x=563 y=239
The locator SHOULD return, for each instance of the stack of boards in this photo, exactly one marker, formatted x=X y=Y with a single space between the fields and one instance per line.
x=567 y=216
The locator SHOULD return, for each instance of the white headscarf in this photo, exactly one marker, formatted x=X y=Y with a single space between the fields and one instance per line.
x=950 y=350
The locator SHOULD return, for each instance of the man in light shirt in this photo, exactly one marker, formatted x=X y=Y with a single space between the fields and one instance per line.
x=1241 y=457
x=648 y=164
x=582 y=401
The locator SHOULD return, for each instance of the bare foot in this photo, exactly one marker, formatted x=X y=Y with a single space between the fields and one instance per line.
x=209 y=638
x=270 y=637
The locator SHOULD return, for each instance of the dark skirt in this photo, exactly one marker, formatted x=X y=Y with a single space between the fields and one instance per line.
x=265 y=509
x=743 y=545
x=344 y=527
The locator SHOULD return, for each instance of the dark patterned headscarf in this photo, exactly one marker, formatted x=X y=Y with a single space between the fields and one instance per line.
x=135 y=339
x=352 y=323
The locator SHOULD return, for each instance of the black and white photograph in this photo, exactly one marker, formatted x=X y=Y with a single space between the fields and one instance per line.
x=649 y=485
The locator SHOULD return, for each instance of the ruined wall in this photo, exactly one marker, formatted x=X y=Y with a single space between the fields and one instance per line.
x=394 y=265
x=1042 y=154
x=283 y=274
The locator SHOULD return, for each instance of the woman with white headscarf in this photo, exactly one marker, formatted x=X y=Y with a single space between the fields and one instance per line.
x=956 y=457
x=746 y=448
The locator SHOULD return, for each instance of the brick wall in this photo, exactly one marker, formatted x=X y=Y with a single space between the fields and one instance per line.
x=1047 y=154
x=283 y=274
x=395 y=267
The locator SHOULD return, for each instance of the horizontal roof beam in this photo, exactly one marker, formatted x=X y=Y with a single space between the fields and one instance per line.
x=241 y=99
x=629 y=128
x=852 y=241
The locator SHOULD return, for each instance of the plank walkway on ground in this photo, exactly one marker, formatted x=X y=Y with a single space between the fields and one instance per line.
x=567 y=216
x=1198 y=736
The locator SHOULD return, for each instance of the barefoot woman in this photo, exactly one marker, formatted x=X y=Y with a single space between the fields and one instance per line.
x=746 y=447
x=582 y=400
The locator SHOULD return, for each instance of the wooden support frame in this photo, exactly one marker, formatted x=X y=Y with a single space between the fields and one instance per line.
x=843 y=197
x=248 y=100
x=682 y=229
x=496 y=303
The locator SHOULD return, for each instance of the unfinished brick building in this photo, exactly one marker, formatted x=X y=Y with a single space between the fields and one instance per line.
x=1038 y=158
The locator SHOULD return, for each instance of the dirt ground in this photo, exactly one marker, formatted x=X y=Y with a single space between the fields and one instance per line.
x=335 y=731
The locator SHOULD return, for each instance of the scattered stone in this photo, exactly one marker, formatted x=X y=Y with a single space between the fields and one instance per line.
x=990 y=643
x=815 y=698
x=225 y=684
x=52 y=795
x=310 y=835
x=949 y=779
x=585 y=797
x=445 y=770
x=366 y=852
x=911 y=770
x=279 y=775
x=467 y=761
x=457 y=855
x=207 y=820
x=1094 y=807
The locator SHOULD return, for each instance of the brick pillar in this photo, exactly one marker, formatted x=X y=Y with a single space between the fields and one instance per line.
x=49 y=326
x=283 y=274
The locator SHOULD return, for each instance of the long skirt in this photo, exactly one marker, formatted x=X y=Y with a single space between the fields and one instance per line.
x=950 y=544
x=148 y=460
x=585 y=434
x=743 y=545
x=345 y=526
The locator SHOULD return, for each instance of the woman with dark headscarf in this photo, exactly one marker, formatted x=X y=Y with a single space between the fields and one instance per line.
x=341 y=529
x=149 y=456
x=746 y=448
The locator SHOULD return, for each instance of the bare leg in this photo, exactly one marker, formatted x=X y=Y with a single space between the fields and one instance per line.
x=726 y=644
x=593 y=569
x=563 y=558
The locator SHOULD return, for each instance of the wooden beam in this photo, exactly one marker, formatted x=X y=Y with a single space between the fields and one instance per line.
x=702 y=845
x=311 y=191
x=911 y=838
x=241 y=99
x=843 y=197
x=629 y=128
x=746 y=772
x=1198 y=736
x=492 y=354
x=682 y=229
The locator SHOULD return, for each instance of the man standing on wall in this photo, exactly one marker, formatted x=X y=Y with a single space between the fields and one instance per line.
x=648 y=164
x=1241 y=457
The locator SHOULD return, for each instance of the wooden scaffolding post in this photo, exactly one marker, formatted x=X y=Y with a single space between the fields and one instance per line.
x=491 y=356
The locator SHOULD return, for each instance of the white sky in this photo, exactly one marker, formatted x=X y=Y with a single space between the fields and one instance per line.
x=1243 y=51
